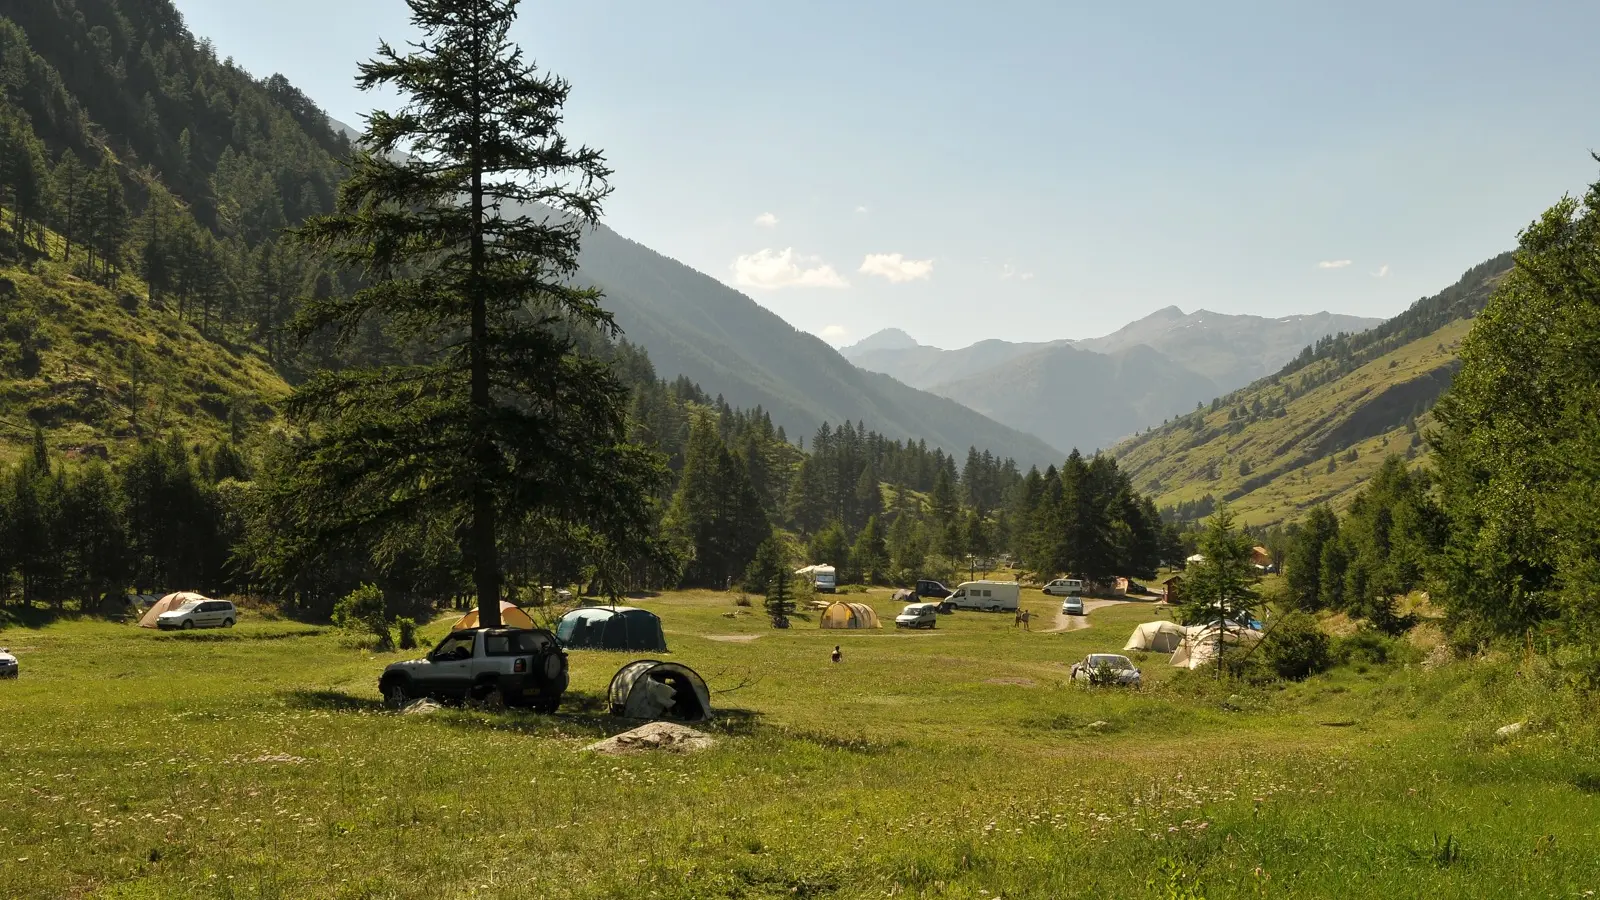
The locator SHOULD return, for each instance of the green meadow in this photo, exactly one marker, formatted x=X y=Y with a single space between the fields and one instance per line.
x=961 y=763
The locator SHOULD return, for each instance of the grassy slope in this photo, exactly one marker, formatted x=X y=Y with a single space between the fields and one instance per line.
x=1293 y=451
x=258 y=763
x=110 y=372
x=1373 y=383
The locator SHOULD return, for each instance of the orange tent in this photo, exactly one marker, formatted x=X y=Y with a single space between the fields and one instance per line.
x=511 y=616
x=167 y=604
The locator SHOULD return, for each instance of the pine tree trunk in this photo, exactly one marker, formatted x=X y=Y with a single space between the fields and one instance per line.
x=486 y=564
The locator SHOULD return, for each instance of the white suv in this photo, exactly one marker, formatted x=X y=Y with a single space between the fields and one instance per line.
x=1064 y=587
x=200 y=614
x=8 y=664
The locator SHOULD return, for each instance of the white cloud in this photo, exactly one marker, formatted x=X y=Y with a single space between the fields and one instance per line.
x=1383 y=271
x=1008 y=272
x=1026 y=276
x=833 y=334
x=774 y=269
x=766 y=220
x=1333 y=263
x=896 y=267
x=861 y=209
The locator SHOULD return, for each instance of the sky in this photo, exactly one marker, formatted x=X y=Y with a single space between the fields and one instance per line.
x=1036 y=170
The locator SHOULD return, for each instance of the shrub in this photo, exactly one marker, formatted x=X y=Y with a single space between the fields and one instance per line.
x=1296 y=648
x=1371 y=646
x=408 y=632
x=363 y=611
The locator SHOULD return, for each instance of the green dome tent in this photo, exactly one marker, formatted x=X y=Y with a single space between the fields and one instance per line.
x=611 y=628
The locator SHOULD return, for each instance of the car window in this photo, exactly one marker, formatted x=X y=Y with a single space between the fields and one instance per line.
x=497 y=644
x=456 y=647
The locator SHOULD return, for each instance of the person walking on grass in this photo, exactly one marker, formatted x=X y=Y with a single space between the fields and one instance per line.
x=836 y=654
x=1026 y=617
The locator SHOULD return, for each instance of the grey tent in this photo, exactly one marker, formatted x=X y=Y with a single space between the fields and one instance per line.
x=652 y=689
x=611 y=628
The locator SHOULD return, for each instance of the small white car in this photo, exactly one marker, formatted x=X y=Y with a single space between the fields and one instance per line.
x=918 y=615
x=1107 y=668
x=8 y=664
x=200 y=614
x=1072 y=606
x=1064 y=587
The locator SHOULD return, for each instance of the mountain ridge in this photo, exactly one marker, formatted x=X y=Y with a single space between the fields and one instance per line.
x=1313 y=431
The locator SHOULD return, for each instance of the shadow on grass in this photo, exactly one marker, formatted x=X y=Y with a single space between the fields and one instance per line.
x=582 y=713
x=215 y=637
x=332 y=701
x=37 y=617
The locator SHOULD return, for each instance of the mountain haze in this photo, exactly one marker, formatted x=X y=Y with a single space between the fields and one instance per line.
x=1091 y=393
x=1231 y=350
x=695 y=326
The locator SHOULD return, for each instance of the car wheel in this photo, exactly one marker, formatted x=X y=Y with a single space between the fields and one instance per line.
x=227 y=623
x=396 y=691
x=547 y=704
x=187 y=624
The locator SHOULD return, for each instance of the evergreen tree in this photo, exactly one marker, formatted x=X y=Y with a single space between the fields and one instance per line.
x=504 y=421
x=780 y=600
x=717 y=508
x=870 y=555
x=1302 y=569
x=769 y=563
x=1222 y=586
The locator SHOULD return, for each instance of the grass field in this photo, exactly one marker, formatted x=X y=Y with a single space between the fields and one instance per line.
x=959 y=763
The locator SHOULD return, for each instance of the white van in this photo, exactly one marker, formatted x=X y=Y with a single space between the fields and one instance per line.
x=987 y=595
x=1064 y=587
x=918 y=615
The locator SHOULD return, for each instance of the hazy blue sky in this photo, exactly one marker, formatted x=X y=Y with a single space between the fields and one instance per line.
x=1038 y=170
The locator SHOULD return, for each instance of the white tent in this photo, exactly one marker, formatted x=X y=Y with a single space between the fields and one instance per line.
x=815 y=570
x=1197 y=558
x=1158 y=637
x=1200 y=642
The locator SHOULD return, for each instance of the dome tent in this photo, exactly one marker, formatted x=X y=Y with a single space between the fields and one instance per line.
x=169 y=603
x=849 y=615
x=652 y=689
x=611 y=628
x=1160 y=637
x=511 y=616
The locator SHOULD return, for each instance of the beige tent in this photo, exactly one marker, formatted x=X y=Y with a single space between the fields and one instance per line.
x=1157 y=637
x=1200 y=643
x=849 y=615
x=167 y=604
x=511 y=616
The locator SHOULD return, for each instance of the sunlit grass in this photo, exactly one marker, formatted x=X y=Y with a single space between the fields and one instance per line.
x=961 y=763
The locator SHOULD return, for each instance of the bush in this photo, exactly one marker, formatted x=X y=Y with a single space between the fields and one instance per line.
x=408 y=632
x=1371 y=646
x=1296 y=648
x=363 y=611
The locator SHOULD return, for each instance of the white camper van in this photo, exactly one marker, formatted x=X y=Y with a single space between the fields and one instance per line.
x=824 y=580
x=987 y=595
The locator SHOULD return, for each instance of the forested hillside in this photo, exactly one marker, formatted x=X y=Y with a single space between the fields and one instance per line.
x=698 y=327
x=1315 y=431
x=148 y=194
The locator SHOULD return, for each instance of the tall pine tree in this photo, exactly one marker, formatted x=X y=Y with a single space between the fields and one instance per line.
x=464 y=211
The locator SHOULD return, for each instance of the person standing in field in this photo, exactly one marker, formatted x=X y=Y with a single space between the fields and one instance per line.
x=836 y=654
x=1026 y=617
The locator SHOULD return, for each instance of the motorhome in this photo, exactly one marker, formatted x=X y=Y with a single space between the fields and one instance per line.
x=824 y=579
x=987 y=595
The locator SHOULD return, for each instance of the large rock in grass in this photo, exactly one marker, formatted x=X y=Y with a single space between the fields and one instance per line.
x=667 y=736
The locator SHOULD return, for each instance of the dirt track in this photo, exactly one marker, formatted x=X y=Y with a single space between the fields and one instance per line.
x=1065 y=622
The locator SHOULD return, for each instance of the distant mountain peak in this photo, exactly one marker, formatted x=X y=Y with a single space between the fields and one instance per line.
x=887 y=339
